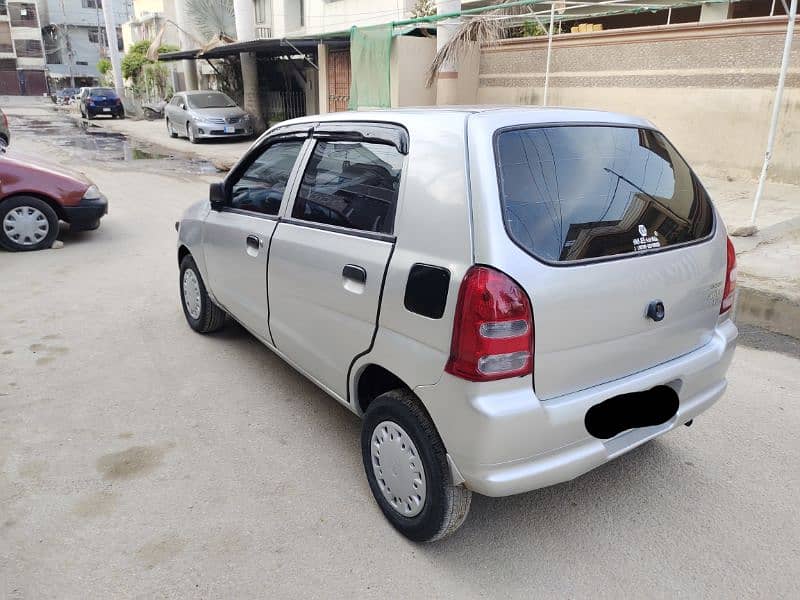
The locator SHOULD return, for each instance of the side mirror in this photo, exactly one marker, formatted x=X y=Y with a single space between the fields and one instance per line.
x=217 y=195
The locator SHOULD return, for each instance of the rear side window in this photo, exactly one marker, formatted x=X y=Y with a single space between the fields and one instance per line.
x=585 y=192
x=351 y=184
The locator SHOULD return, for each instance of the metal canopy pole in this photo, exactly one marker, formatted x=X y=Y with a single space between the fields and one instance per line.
x=776 y=110
x=550 y=52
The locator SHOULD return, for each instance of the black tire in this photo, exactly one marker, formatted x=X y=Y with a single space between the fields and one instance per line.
x=211 y=317
x=122 y=114
x=170 y=131
x=7 y=242
x=446 y=505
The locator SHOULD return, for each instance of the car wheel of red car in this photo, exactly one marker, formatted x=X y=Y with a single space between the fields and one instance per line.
x=27 y=223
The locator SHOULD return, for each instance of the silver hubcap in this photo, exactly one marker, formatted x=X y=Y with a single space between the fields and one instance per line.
x=189 y=132
x=191 y=293
x=398 y=468
x=26 y=225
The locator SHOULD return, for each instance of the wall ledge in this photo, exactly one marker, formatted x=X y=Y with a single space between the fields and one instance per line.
x=655 y=33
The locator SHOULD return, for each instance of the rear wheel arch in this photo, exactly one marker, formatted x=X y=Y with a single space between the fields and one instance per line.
x=372 y=381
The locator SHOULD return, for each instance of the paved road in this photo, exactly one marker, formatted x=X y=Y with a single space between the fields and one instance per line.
x=138 y=459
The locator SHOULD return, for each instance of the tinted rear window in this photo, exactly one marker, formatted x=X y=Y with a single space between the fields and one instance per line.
x=585 y=192
x=102 y=92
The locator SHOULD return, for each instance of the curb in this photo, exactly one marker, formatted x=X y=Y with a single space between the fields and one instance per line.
x=767 y=310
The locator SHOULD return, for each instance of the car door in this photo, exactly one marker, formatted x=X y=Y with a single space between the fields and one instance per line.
x=236 y=236
x=329 y=256
x=171 y=109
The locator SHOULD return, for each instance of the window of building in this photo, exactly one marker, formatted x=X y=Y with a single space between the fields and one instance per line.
x=22 y=15
x=28 y=48
x=3 y=7
x=92 y=3
x=351 y=184
x=6 y=45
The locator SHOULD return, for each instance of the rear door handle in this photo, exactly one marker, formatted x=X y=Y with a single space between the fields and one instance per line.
x=355 y=272
x=253 y=241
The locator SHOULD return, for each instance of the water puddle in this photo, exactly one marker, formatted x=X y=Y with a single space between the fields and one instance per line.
x=82 y=141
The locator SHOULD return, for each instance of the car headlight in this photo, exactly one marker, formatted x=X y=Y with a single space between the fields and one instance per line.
x=92 y=193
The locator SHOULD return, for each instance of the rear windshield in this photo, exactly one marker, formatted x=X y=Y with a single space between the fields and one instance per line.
x=585 y=192
x=210 y=100
x=102 y=92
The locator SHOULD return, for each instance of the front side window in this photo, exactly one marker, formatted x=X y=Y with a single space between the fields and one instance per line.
x=261 y=187
x=584 y=192
x=351 y=184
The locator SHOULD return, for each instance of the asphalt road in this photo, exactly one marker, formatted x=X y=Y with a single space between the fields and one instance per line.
x=139 y=459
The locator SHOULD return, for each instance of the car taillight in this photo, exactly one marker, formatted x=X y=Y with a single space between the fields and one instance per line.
x=493 y=328
x=730 y=280
x=118 y=101
x=5 y=120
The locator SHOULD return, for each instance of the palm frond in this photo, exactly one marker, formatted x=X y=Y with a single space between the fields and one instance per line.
x=212 y=17
x=483 y=30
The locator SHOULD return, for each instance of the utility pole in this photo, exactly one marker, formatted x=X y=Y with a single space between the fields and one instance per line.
x=245 y=15
x=186 y=43
x=447 y=78
x=113 y=50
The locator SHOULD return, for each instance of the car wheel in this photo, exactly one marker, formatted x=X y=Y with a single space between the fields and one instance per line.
x=190 y=133
x=27 y=223
x=171 y=130
x=3 y=143
x=121 y=114
x=406 y=466
x=201 y=313
x=89 y=116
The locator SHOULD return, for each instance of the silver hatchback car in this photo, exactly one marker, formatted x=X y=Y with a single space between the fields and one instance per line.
x=509 y=297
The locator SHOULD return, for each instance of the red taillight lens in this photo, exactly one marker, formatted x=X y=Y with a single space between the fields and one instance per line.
x=730 y=280
x=118 y=101
x=5 y=120
x=493 y=328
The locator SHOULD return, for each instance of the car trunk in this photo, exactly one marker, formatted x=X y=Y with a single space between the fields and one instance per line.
x=607 y=222
x=103 y=101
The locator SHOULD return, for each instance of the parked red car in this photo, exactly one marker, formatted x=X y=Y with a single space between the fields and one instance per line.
x=34 y=197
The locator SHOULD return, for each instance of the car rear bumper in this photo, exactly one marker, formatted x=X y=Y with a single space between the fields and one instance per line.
x=101 y=110
x=87 y=214
x=504 y=441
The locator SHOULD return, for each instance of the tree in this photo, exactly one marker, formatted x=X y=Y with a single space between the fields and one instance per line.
x=136 y=58
x=103 y=66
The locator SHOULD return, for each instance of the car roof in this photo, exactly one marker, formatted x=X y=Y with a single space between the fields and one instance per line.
x=531 y=115
x=201 y=92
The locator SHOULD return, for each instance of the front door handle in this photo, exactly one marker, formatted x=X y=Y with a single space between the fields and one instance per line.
x=253 y=241
x=355 y=272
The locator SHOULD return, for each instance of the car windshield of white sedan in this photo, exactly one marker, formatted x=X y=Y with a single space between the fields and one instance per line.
x=210 y=100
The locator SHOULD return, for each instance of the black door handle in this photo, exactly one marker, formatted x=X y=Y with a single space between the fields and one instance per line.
x=253 y=242
x=355 y=273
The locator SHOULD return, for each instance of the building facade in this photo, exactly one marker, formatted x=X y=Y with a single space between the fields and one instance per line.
x=22 y=63
x=75 y=40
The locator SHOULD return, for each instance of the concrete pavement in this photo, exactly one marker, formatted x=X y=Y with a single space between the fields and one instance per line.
x=139 y=459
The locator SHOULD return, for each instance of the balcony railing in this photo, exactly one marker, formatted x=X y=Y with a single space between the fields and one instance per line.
x=263 y=33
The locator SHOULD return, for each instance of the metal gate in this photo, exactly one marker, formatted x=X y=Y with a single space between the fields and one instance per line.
x=32 y=83
x=338 y=80
x=285 y=105
x=9 y=83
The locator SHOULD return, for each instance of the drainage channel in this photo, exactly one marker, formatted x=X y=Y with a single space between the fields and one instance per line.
x=82 y=141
